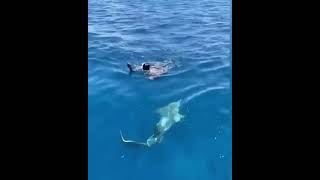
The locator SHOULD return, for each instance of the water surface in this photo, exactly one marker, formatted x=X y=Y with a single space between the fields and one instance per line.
x=196 y=36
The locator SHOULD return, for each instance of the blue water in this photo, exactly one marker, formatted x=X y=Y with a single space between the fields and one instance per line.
x=196 y=36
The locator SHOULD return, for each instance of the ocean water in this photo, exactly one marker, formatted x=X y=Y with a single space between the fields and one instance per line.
x=195 y=35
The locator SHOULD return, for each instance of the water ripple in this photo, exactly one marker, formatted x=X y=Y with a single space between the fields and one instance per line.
x=204 y=91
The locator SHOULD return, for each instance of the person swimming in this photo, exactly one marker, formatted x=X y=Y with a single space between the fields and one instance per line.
x=153 y=70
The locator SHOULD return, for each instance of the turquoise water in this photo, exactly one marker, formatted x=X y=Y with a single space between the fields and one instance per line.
x=196 y=36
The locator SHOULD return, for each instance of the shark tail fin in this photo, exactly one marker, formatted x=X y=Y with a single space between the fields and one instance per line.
x=131 y=141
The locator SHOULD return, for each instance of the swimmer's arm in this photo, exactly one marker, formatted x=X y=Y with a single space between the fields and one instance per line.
x=152 y=77
x=134 y=68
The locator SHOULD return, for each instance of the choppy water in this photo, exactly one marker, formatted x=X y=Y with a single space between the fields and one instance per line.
x=196 y=36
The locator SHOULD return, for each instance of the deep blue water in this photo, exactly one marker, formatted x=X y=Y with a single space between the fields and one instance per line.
x=196 y=36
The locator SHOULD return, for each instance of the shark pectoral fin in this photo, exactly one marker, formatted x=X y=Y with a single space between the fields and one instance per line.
x=161 y=139
x=163 y=111
x=182 y=117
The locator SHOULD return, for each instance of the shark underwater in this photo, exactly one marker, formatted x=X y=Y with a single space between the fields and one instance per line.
x=169 y=115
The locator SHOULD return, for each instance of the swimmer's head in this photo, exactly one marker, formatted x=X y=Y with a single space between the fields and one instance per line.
x=145 y=67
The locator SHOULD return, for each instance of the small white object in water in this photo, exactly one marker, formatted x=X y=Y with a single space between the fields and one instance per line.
x=122 y=156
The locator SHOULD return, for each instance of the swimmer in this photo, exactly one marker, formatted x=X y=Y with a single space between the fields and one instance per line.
x=153 y=70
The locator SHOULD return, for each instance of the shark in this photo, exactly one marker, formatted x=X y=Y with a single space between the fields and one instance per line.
x=169 y=115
